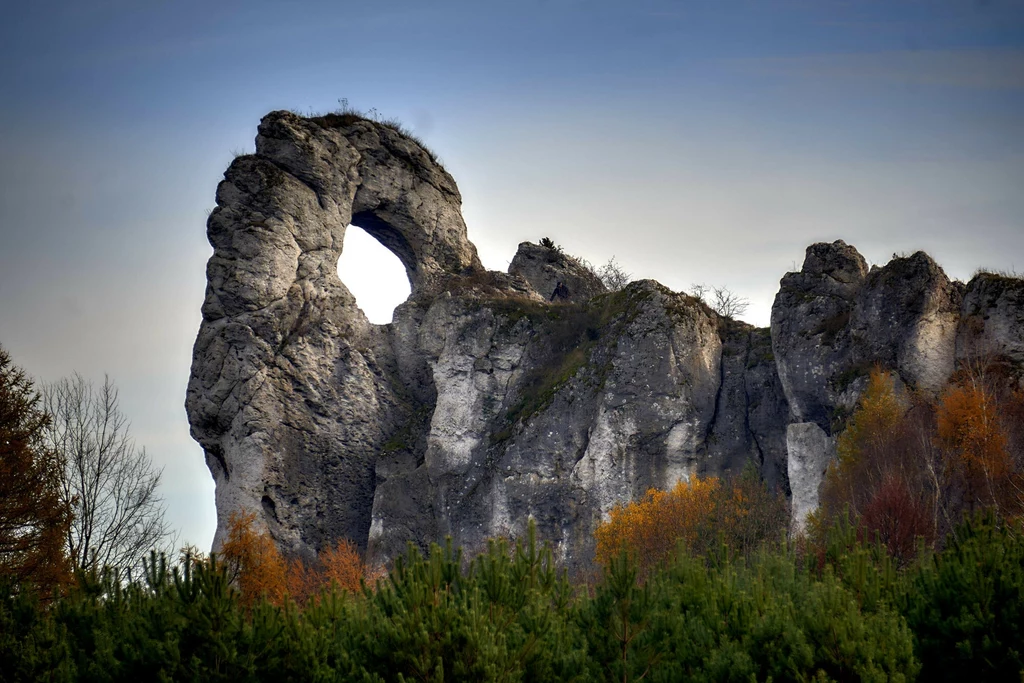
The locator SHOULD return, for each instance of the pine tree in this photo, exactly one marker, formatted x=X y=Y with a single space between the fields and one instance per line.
x=33 y=519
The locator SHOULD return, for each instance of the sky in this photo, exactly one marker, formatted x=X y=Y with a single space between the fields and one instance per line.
x=696 y=142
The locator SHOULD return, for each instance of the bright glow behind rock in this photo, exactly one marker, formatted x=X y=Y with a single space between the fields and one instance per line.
x=373 y=274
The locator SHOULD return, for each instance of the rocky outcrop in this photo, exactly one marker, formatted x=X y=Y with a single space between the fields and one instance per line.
x=993 y=324
x=555 y=275
x=484 y=403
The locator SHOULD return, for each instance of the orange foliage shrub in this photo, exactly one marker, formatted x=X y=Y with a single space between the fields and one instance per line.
x=257 y=567
x=342 y=566
x=968 y=426
x=651 y=528
x=304 y=581
x=259 y=570
x=696 y=514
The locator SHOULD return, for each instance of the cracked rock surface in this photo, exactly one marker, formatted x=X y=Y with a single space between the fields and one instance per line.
x=484 y=403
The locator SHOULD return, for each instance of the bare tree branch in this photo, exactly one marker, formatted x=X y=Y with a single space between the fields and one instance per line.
x=613 y=276
x=721 y=300
x=111 y=486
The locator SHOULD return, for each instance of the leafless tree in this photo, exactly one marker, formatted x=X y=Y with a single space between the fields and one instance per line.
x=722 y=300
x=613 y=276
x=110 y=484
x=728 y=303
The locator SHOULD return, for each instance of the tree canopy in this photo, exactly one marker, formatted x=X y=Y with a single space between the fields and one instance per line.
x=34 y=517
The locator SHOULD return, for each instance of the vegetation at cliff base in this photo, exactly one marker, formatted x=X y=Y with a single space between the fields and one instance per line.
x=913 y=569
x=509 y=614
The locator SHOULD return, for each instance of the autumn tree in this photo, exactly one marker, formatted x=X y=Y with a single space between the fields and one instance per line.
x=885 y=475
x=698 y=515
x=912 y=466
x=259 y=569
x=650 y=528
x=33 y=515
x=109 y=483
x=970 y=429
x=865 y=447
x=342 y=566
x=255 y=564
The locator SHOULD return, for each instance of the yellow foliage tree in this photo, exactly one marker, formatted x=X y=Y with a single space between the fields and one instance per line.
x=650 y=528
x=865 y=448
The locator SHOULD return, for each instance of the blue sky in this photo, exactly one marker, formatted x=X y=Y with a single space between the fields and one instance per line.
x=694 y=141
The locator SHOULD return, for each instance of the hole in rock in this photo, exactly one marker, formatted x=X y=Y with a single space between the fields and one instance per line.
x=373 y=274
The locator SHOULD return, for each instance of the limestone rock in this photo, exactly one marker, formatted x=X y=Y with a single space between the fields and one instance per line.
x=809 y=316
x=834 y=320
x=905 y=319
x=810 y=450
x=484 y=404
x=993 y=324
x=554 y=275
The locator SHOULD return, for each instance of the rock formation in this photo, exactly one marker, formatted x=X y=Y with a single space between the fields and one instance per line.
x=485 y=403
x=554 y=274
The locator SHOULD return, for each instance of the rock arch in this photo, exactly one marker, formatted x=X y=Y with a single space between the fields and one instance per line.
x=380 y=180
x=276 y=318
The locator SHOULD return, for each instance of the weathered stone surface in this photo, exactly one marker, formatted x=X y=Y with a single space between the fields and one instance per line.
x=484 y=404
x=833 y=321
x=810 y=317
x=993 y=324
x=293 y=392
x=767 y=409
x=545 y=268
x=810 y=451
x=556 y=413
x=905 y=319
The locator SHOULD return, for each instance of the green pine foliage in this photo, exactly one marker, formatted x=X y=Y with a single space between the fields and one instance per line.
x=725 y=620
x=836 y=611
x=966 y=605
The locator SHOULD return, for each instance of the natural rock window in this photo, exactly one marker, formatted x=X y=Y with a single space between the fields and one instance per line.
x=374 y=275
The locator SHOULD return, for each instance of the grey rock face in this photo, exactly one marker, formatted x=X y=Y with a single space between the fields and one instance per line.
x=993 y=324
x=833 y=321
x=810 y=450
x=484 y=404
x=810 y=318
x=293 y=392
x=545 y=269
